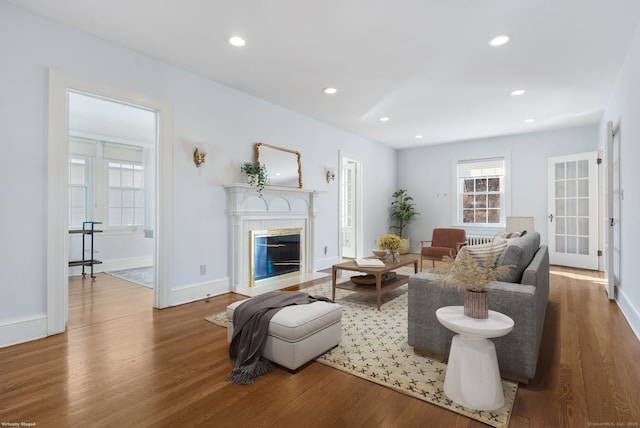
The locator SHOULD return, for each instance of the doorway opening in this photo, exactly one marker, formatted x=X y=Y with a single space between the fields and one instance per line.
x=61 y=85
x=350 y=207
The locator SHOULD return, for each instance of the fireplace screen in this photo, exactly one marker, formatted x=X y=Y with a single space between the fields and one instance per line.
x=274 y=253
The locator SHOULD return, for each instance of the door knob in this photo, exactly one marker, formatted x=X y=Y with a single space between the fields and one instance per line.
x=551 y=218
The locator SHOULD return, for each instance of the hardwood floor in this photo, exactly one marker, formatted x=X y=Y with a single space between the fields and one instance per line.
x=122 y=363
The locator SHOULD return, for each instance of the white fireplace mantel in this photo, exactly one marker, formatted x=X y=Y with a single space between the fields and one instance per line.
x=277 y=208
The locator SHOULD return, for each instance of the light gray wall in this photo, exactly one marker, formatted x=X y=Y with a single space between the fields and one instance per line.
x=428 y=174
x=623 y=109
x=203 y=111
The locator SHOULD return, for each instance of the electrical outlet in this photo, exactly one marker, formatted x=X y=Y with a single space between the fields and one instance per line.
x=203 y=269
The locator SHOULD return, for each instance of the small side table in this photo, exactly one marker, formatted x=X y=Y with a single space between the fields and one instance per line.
x=473 y=376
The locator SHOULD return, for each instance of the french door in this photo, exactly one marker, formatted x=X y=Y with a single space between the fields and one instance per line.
x=573 y=210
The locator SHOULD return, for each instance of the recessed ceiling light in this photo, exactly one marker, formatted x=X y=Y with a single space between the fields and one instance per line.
x=418 y=136
x=330 y=90
x=517 y=92
x=237 y=41
x=384 y=119
x=529 y=120
x=499 y=41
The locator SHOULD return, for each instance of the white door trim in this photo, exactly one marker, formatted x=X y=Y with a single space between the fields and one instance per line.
x=57 y=192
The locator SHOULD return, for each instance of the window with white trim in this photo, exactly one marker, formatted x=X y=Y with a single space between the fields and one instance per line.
x=106 y=183
x=481 y=191
x=125 y=187
x=78 y=191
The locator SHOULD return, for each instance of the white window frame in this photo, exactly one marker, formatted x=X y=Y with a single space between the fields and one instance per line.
x=88 y=188
x=457 y=218
x=124 y=188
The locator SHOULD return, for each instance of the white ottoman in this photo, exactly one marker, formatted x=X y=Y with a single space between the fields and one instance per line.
x=298 y=333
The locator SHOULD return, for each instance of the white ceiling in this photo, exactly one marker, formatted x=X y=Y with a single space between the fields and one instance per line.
x=426 y=64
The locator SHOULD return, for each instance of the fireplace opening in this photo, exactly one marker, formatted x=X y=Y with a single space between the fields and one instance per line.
x=274 y=253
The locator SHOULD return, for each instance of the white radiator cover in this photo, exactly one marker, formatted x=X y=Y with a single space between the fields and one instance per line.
x=479 y=239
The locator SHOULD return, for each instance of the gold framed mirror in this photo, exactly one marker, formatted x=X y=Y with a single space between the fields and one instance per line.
x=283 y=165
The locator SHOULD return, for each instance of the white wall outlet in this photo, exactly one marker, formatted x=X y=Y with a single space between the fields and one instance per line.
x=203 y=269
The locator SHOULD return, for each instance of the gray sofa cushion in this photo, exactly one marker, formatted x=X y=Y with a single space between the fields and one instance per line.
x=518 y=255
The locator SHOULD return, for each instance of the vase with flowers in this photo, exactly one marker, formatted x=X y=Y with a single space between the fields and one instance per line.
x=391 y=243
x=474 y=276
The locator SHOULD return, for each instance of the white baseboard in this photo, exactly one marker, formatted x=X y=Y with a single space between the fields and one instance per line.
x=191 y=293
x=23 y=329
x=630 y=312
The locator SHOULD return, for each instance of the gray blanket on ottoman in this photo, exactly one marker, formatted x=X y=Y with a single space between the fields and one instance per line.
x=250 y=326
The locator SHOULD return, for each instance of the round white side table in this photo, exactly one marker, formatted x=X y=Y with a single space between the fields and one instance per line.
x=473 y=376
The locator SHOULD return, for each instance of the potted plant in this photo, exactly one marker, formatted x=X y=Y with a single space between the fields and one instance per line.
x=256 y=175
x=466 y=273
x=402 y=211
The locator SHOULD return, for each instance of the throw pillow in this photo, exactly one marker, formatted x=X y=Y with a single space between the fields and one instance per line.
x=480 y=253
x=508 y=237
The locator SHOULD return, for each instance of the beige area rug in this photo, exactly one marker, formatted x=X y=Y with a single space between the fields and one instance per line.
x=374 y=347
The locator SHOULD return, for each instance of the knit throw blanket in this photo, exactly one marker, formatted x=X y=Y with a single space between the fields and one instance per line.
x=250 y=326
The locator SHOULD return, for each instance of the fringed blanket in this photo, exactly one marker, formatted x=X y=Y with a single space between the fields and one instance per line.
x=250 y=326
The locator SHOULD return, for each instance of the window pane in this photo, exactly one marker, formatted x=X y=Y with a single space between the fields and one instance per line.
x=467 y=201
x=494 y=185
x=583 y=226
x=494 y=202
x=77 y=174
x=139 y=198
x=583 y=246
x=583 y=188
x=583 y=207
x=115 y=198
x=468 y=186
x=572 y=226
x=114 y=176
x=560 y=175
x=560 y=186
x=560 y=245
x=481 y=184
x=467 y=216
x=137 y=179
x=494 y=216
x=560 y=210
x=571 y=169
x=127 y=176
x=583 y=168
x=127 y=216
x=127 y=198
x=571 y=188
x=572 y=207
x=481 y=216
x=481 y=201
x=560 y=225
x=572 y=245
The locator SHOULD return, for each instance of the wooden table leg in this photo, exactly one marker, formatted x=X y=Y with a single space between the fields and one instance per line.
x=378 y=288
x=334 y=271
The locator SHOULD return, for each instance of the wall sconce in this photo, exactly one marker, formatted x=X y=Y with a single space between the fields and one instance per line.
x=330 y=175
x=200 y=154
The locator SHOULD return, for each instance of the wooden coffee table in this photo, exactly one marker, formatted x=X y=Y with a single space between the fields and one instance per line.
x=380 y=288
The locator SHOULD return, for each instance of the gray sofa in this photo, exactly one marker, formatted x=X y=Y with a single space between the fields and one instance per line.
x=524 y=300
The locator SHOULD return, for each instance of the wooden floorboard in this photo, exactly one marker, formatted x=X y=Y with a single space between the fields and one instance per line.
x=123 y=363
